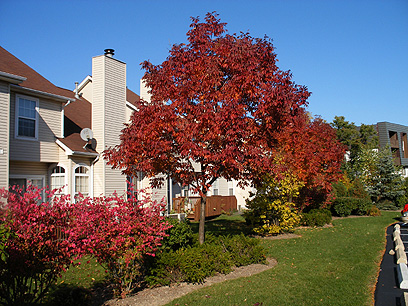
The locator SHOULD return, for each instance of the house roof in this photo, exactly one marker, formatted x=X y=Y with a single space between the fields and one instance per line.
x=131 y=97
x=11 y=64
x=75 y=143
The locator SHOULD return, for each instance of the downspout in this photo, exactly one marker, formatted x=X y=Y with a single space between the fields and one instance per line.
x=92 y=174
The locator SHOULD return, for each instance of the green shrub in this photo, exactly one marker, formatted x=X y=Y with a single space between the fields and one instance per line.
x=244 y=250
x=362 y=206
x=317 y=217
x=340 y=189
x=373 y=211
x=194 y=264
x=357 y=190
x=386 y=205
x=343 y=206
x=190 y=265
x=179 y=236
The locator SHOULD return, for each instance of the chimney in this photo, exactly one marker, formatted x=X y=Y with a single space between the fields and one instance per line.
x=109 y=52
x=108 y=117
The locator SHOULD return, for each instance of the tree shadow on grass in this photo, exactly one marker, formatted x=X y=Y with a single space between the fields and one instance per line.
x=224 y=225
x=68 y=294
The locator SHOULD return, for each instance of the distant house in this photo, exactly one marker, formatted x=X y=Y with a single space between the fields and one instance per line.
x=395 y=136
x=51 y=136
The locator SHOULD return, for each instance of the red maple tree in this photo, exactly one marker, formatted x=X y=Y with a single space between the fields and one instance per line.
x=311 y=151
x=218 y=104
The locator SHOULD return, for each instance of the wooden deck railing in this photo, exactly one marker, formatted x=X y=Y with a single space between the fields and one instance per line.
x=215 y=206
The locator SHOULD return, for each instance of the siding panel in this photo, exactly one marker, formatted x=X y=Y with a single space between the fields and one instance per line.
x=4 y=133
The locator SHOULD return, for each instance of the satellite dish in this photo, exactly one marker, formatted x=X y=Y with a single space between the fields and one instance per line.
x=86 y=134
x=92 y=144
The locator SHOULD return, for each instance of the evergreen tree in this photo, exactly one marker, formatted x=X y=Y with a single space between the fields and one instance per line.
x=383 y=179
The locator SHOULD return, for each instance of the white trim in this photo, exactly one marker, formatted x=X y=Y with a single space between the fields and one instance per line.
x=84 y=82
x=130 y=105
x=16 y=112
x=12 y=78
x=69 y=152
x=50 y=168
x=41 y=93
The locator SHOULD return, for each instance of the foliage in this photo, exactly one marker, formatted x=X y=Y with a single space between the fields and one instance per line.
x=272 y=211
x=350 y=188
x=179 y=235
x=41 y=239
x=345 y=206
x=317 y=217
x=387 y=205
x=356 y=139
x=380 y=176
x=373 y=211
x=193 y=264
x=218 y=103
x=310 y=151
x=357 y=190
x=403 y=199
x=120 y=233
x=33 y=249
x=243 y=250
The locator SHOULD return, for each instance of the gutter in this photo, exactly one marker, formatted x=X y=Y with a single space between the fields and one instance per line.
x=12 y=78
x=41 y=93
x=70 y=152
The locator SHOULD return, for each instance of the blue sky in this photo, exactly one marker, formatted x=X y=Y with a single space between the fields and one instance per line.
x=352 y=55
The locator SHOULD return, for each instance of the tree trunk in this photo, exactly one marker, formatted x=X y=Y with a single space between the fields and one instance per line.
x=201 y=233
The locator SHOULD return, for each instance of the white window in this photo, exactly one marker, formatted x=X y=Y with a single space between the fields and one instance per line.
x=215 y=187
x=26 y=117
x=81 y=181
x=57 y=180
x=230 y=188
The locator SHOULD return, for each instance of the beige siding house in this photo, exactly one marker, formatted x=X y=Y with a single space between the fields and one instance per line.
x=41 y=125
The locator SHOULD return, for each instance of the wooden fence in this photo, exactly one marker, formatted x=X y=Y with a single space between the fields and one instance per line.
x=215 y=206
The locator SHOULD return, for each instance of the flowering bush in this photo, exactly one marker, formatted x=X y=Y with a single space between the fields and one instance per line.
x=32 y=245
x=119 y=233
x=39 y=240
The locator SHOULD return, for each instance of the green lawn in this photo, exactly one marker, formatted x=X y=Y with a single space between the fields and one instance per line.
x=325 y=266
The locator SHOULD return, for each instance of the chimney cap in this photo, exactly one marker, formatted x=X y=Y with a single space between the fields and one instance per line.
x=109 y=52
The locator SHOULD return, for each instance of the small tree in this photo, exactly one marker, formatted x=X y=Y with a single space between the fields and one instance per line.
x=119 y=233
x=217 y=106
x=272 y=210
